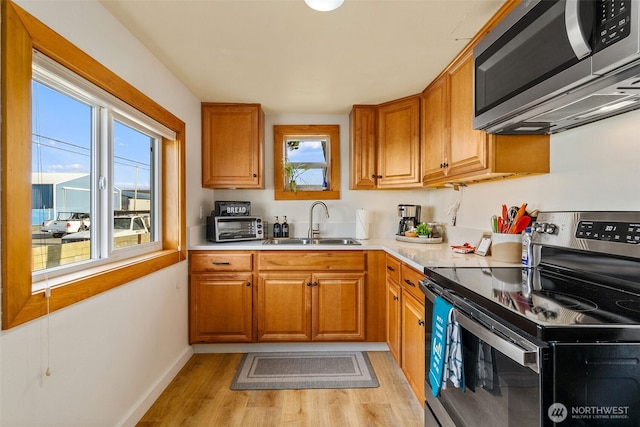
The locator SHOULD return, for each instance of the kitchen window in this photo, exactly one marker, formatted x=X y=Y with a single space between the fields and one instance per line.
x=307 y=162
x=97 y=158
x=108 y=111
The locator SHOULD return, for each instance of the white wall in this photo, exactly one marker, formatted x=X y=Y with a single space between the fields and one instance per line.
x=382 y=205
x=594 y=167
x=112 y=354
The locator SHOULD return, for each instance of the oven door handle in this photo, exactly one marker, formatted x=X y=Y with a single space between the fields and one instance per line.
x=524 y=357
x=528 y=357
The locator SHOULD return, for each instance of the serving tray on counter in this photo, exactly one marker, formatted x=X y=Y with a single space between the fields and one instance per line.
x=419 y=239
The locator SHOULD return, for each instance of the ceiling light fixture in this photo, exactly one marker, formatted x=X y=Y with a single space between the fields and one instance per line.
x=324 y=5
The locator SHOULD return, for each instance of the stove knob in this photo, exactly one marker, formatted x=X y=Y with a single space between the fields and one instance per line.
x=549 y=228
x=537 y=227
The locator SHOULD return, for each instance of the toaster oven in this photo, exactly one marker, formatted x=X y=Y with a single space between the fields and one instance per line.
x=234 y=228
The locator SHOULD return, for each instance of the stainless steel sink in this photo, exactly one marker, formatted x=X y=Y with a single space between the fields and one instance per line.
x=318 y=241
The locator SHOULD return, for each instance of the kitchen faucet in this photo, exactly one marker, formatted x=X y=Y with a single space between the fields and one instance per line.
x=314 y=233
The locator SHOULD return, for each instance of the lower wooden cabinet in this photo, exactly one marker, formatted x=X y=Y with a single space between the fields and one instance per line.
x=278 y=296
x=222 y=312
x=413 y=345
x=405 y=322
x=298 y=301
x=394 y=318
x=221 y=286
x=310 y=307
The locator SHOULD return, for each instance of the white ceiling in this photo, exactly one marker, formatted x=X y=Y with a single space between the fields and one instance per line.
x=292 y=59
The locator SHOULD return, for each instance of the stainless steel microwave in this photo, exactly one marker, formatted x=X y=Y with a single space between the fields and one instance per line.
x=551 y=65
x=234 y=228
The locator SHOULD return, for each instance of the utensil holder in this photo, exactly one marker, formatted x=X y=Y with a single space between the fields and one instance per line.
x=506 y=247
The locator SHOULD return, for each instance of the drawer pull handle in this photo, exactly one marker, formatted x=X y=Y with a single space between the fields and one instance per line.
x=409 y=282
x=221 y=263
x=390 y=268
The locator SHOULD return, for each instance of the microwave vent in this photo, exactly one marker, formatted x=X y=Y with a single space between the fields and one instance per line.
x=580 y=107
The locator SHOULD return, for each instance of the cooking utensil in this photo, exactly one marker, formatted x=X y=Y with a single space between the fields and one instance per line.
x=494 y=224
x=520 y=226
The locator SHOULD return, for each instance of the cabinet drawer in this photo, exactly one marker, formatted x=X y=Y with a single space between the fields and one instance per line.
x=410 y=279
x=223 y=261
x=393 y=269
x=311 y=260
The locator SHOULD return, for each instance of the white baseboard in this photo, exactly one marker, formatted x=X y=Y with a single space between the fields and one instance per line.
x=144 y=403
x=275 y=347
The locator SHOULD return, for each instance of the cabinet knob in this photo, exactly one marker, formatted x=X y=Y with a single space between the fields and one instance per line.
x=409 y=282
x=255 y=175
x=248 y=283
x=373 y=176
x=421 y=322
x=308 y=283
x=395 y=298
x=315 y=284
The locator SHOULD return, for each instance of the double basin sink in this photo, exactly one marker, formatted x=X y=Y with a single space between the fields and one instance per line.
x=316 y=241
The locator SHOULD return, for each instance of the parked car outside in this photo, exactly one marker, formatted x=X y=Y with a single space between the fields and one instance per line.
x=124 y=225
x=67 y=222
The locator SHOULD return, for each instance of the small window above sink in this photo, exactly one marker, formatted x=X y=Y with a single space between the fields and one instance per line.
x=306 y=162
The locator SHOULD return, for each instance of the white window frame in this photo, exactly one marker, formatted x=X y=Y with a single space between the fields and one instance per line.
x=106 y=109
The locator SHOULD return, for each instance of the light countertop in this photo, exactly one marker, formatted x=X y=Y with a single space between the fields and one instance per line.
x=418 y=255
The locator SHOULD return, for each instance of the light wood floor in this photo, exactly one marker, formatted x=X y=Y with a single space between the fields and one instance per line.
x=200 y=396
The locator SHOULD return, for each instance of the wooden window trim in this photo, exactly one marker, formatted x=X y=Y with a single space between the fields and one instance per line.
x=280 y=132
x=21 y=33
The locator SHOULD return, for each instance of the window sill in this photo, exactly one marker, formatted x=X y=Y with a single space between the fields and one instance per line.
x=69 y=289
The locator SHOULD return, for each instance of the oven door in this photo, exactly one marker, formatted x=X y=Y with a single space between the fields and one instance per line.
x=503 y=383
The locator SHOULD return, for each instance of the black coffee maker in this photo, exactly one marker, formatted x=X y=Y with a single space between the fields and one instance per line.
x=410 y=215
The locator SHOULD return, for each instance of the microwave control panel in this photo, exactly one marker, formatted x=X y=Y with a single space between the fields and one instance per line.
x=613 y=22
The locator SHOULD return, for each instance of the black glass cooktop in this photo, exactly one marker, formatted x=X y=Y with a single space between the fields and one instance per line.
x=548 y=302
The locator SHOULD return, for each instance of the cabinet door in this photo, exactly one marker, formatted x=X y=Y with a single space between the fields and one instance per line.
x=232 y=146
x=363 y=148
x=338 y=307
x=221 y=307
x=413 y=346
x=393 y=319
x=284 y=307
x=399 y=143
x=435 y=130
x=468 y=147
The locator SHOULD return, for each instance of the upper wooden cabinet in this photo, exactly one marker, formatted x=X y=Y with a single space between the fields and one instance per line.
x=399 y=143
x=385 y=145
x=455 y=152
x=362 y=147
x=232 y=145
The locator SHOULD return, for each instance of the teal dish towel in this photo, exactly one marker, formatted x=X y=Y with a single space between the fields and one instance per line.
x=441 y=310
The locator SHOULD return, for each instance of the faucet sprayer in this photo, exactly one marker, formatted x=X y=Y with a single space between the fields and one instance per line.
x=314 y=233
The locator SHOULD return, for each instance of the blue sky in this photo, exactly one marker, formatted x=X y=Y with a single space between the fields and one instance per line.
x=62 y=126
x=308 y=151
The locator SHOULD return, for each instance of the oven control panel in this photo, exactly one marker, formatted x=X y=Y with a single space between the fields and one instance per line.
x=619 y=232
x=613 y=233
